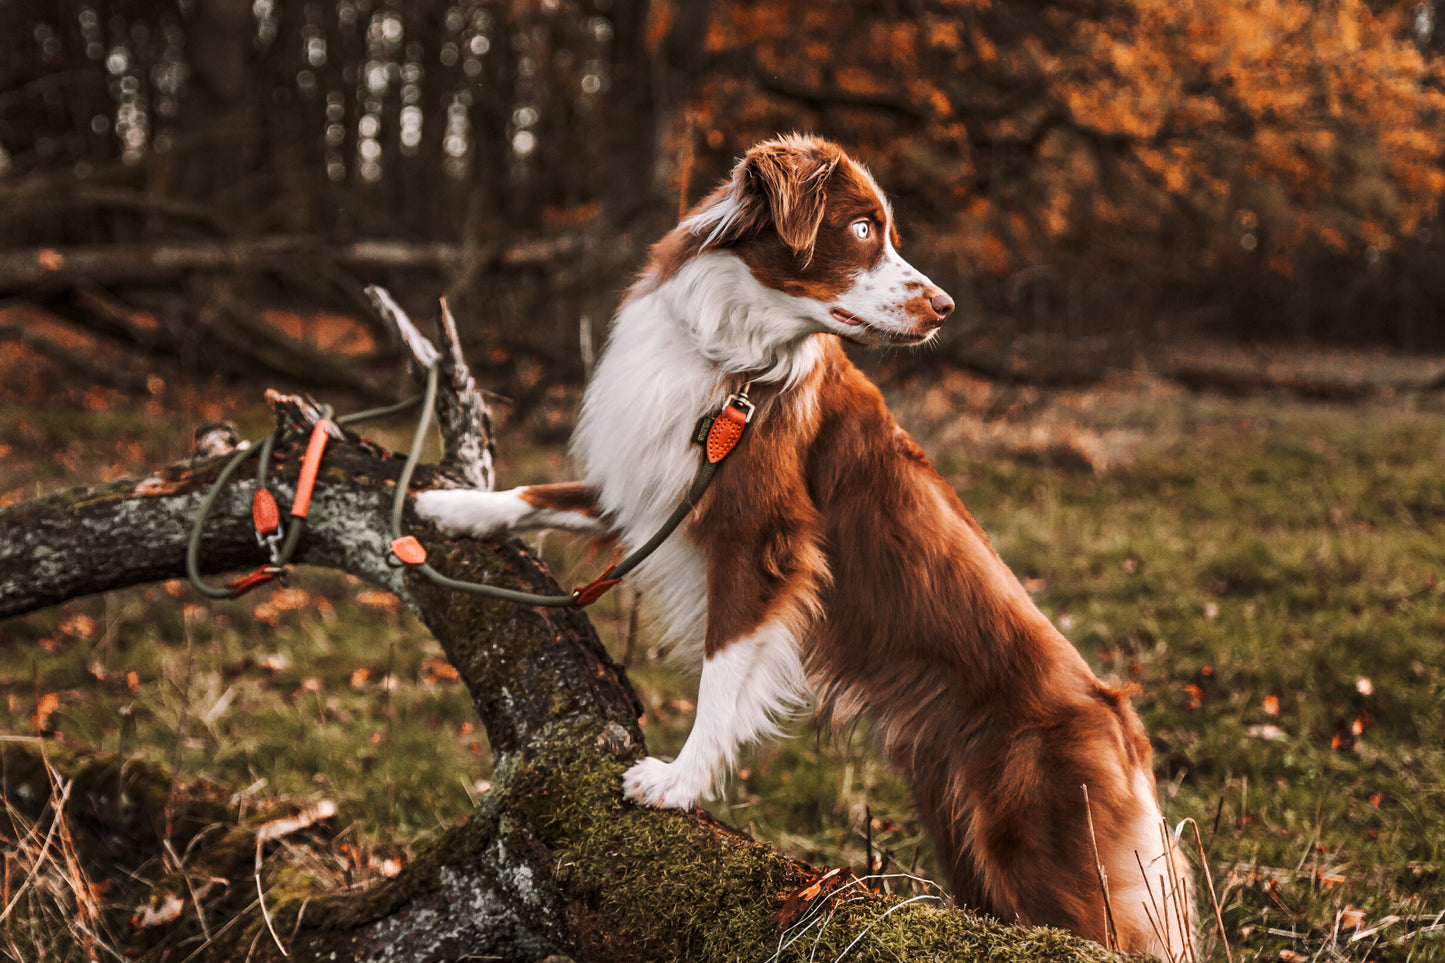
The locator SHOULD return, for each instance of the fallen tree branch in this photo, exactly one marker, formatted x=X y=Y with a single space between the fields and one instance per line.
x=22 y=270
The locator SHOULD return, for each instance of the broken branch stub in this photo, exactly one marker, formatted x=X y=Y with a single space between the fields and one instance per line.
x=462 y=413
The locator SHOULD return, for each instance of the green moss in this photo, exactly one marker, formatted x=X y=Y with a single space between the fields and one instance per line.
x=680 y=887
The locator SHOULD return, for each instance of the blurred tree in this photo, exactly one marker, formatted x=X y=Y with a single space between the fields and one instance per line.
x=482 y=124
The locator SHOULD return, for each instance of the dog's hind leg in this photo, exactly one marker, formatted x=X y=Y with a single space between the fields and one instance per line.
x=570 y=506
x=745 y=686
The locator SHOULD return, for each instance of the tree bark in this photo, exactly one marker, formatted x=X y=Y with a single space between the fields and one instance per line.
x=553 y=861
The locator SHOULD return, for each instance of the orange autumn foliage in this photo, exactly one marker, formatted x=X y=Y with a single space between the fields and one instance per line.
x=1144 y=129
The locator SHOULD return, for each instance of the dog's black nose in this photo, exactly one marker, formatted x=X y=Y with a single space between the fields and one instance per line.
x=941 y=304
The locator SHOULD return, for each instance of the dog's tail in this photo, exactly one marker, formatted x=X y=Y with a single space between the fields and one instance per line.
x=1054 y=820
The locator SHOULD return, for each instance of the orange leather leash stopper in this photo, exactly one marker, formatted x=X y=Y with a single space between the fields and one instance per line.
x=310 y=465
x=265 y=515
x=408 y=550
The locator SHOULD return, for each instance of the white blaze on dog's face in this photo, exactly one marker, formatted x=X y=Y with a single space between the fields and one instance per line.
x=811 y=223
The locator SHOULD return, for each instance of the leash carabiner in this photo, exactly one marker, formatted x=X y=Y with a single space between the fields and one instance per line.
x=277 y=540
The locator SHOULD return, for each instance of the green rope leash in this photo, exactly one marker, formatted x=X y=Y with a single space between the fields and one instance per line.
x=738 y=412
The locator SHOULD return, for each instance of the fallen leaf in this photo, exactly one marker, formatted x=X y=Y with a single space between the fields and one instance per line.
x=78 y=625
x=276 y=662
x=432 y=671
x=48 y=705
x=1196 y=696
x=290 y=599
x=285 y=826
x=796 y=903
x=167 y=910
x=384 y=601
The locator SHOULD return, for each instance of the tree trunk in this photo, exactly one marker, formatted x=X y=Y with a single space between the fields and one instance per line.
x=553 y=861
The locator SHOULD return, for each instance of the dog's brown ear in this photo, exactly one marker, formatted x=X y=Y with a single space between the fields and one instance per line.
x=781 y=183
x=793 y=175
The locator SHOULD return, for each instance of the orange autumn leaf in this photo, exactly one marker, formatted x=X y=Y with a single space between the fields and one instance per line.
x=384 y=601
x=432 y=671
x=48 y=705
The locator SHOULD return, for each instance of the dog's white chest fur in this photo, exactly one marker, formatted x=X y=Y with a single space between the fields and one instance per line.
x=673 y=354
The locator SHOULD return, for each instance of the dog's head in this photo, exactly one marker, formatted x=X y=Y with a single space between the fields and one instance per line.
x=809 y=221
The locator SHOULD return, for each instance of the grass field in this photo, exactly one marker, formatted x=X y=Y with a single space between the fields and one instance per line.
x=1266 y=572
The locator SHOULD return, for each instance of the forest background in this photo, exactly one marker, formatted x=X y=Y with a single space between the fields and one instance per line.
x=1130 y=200
x=1137 y=169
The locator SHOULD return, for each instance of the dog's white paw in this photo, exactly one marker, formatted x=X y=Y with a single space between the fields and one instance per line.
x=665 y=785
x=467 y=511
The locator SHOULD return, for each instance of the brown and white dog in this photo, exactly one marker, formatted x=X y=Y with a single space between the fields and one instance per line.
x=829 y=558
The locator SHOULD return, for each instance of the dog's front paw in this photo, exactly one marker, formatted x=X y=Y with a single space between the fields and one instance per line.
x=665 y=785
x=467 y=512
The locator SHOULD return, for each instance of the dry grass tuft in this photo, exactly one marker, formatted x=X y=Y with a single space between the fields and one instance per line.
x=52 y=909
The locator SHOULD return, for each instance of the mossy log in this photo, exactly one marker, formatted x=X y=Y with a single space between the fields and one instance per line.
x=553 y=862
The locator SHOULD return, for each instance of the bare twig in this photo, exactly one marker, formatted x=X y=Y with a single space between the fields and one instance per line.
x=1175 y=898
x=1213 y=897
x=57 y=807
x=1154 y=916
x=422 y=353
x=261 y=896
x=1111 y=934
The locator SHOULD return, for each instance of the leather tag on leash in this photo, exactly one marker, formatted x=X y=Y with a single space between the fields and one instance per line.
x=720 y=433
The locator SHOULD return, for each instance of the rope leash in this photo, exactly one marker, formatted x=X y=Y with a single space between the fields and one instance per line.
x=717 y=433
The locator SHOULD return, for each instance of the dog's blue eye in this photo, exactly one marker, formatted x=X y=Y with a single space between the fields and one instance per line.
x=861 y=230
